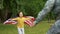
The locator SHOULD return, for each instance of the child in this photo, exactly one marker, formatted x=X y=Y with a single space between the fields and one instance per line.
x=20 y=23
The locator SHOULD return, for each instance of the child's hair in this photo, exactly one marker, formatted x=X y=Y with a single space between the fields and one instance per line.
x=19 y=12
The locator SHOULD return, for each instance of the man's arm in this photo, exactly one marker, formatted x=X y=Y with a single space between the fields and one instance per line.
x=47 y=8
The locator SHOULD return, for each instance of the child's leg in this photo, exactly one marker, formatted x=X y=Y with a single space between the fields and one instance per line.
x=21 y=30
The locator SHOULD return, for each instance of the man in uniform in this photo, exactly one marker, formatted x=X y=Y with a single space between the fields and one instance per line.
x=51 y=5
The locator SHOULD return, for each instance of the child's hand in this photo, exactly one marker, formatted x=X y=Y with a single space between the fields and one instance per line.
x=32 y=25
x=3 y=23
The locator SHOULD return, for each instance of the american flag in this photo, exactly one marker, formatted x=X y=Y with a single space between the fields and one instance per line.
x=30 y=22
x=9 y=21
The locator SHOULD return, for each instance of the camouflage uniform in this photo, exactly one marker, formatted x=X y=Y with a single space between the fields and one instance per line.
x=51 y=5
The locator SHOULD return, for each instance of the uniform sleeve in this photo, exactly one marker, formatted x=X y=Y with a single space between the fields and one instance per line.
x=47 y=8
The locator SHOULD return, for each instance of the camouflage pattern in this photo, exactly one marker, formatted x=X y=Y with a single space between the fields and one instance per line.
x=51 y=5
x=55 y=29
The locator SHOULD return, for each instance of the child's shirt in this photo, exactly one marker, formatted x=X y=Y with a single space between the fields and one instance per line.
x=20 y=21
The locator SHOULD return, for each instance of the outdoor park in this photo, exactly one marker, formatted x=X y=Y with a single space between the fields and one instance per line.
x=41 y=28
x=10 y=9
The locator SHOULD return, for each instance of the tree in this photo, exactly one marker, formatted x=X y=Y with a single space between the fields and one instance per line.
x=10 y=8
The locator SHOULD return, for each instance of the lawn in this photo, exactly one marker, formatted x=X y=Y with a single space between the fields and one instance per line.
x=40 y=28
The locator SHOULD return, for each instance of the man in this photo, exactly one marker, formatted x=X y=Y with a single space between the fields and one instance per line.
x=49 y=6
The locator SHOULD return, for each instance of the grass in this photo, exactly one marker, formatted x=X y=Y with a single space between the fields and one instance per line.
x=40 y=28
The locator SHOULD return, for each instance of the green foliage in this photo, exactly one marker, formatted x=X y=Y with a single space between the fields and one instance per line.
x=1 y=4
x=10 y=8
x=30 y=7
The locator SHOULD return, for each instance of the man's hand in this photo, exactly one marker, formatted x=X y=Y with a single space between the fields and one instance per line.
x=33 y=24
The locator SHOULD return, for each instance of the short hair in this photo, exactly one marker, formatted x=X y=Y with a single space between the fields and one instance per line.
x=19 y=12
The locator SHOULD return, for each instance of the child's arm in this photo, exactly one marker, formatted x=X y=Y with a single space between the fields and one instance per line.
x=6 y=21
x=14 y=18
x=10 y=21
x=28 y=17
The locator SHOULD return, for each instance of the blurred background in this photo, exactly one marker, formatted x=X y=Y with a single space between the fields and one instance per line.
x=10 y=8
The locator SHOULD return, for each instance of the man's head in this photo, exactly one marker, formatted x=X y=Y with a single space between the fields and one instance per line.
x=20 y=14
